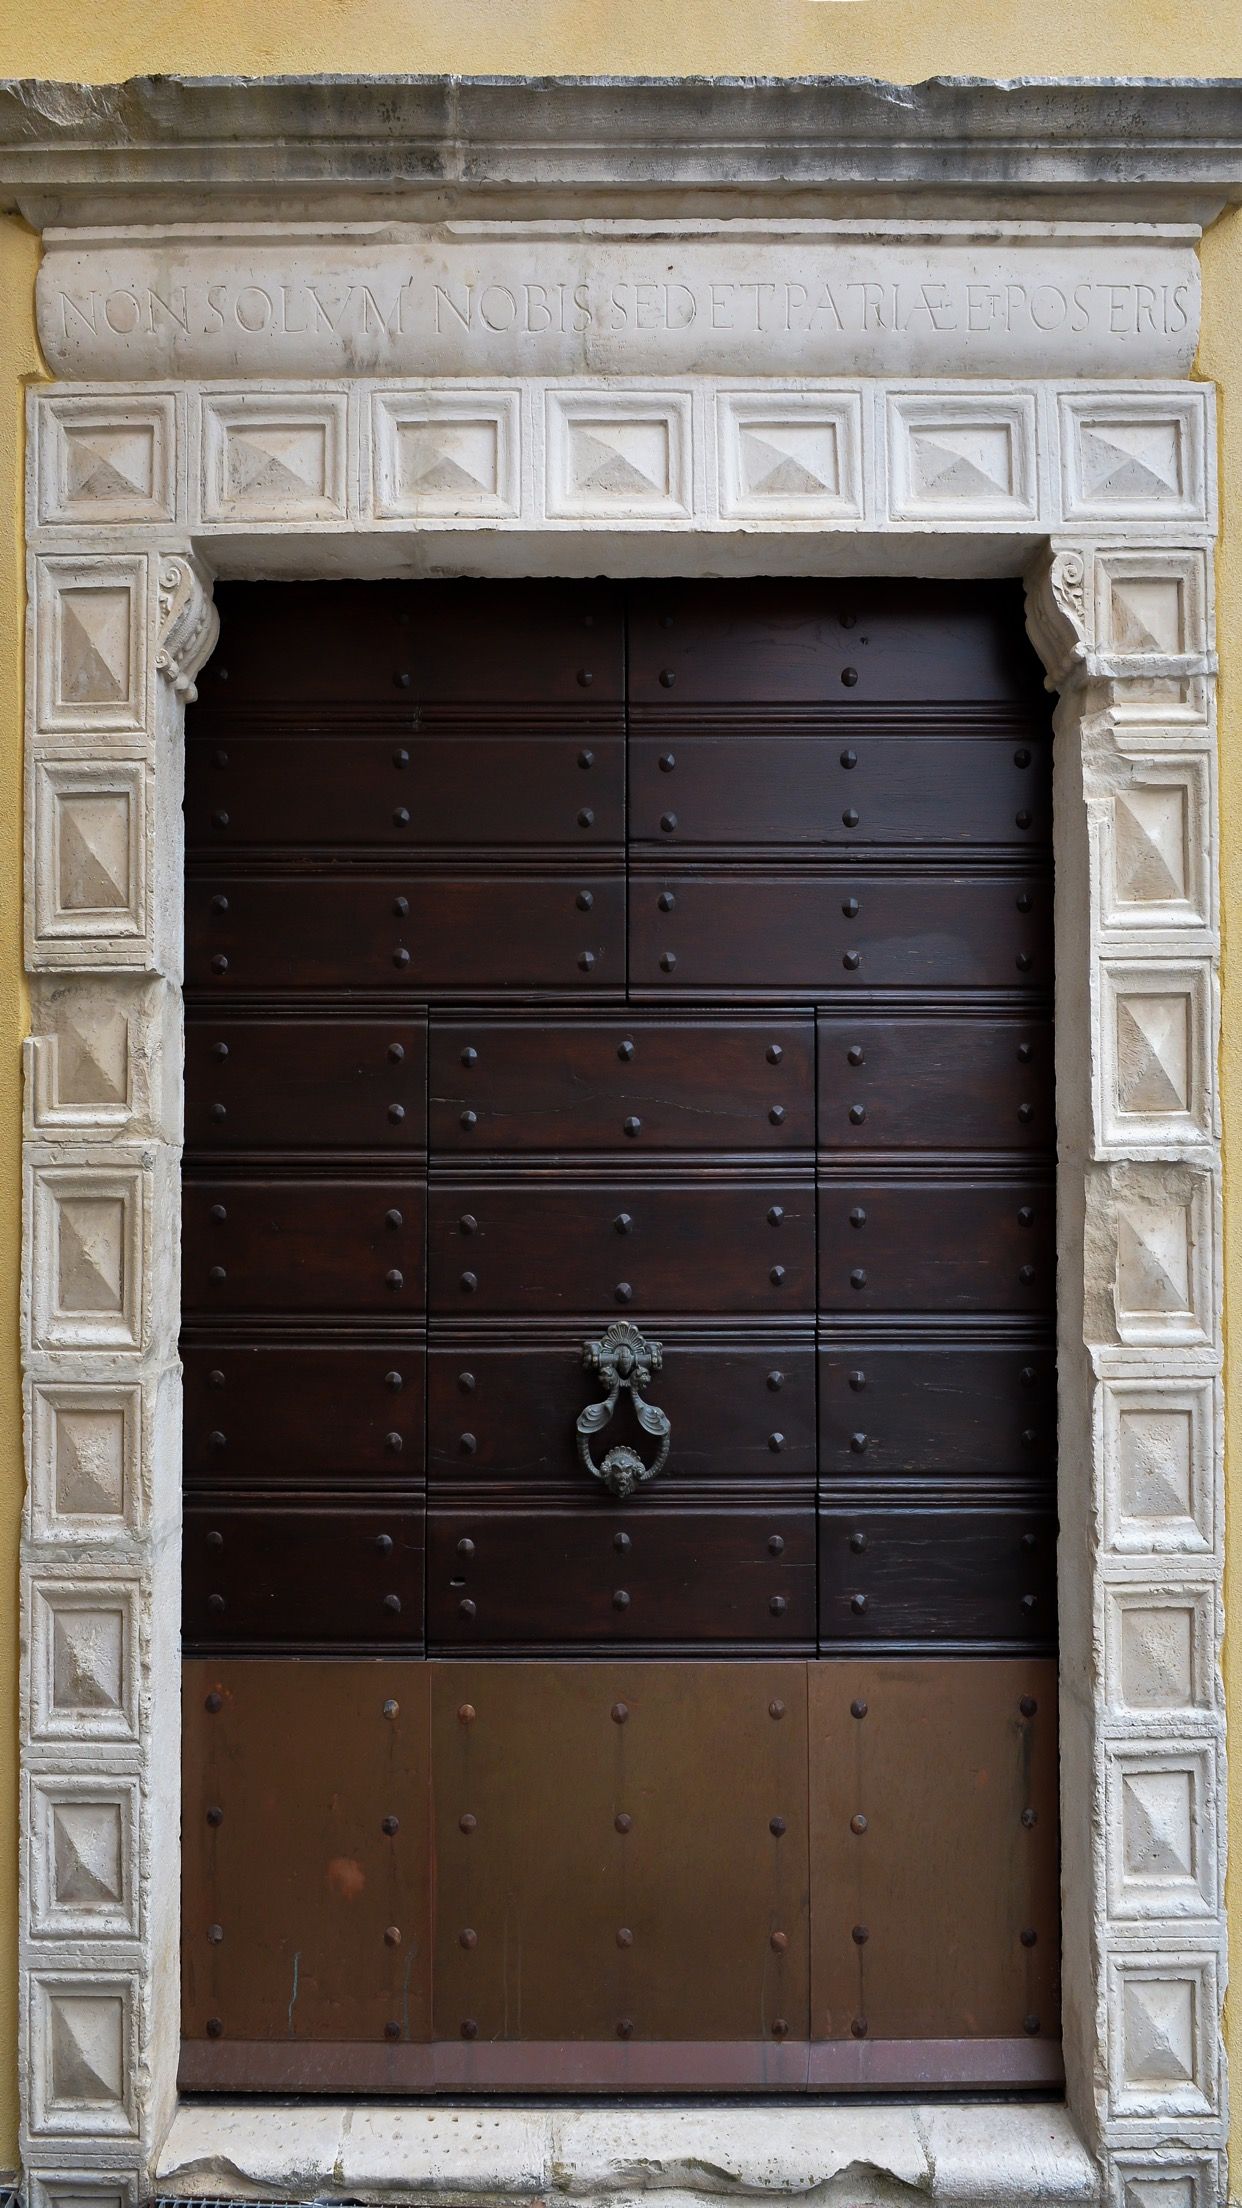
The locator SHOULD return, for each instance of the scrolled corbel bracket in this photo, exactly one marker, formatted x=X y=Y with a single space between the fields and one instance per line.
x=188 y=622
x=1056 y=616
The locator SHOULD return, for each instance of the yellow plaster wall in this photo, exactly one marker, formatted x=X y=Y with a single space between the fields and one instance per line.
x=899 y=39
x=902 y=40
x=19 y=362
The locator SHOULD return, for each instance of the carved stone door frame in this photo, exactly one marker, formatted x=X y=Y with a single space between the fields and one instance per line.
x=138 y=495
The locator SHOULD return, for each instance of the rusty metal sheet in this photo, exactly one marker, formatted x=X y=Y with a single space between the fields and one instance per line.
x=622 y=2066
x=620 y=1851
x=305 y=1817
x=934 y=1850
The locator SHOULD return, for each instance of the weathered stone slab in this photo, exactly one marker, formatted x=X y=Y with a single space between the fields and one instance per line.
x=612 y=299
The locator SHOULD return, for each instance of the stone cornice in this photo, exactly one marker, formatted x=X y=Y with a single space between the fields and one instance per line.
x=1144 y=146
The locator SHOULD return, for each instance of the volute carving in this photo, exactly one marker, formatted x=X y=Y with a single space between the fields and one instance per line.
x=189 y=623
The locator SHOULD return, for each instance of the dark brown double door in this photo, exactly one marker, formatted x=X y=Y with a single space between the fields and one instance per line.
x=674 y=959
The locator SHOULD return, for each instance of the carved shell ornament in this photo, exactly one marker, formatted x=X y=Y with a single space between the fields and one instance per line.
x=623 y=1360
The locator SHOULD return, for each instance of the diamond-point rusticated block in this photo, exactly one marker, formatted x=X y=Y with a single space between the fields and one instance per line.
x=106 y=459
x=274 y=456
x=85 y=1458
x=1161 y=1821
x=1156 y=1063
x=447 y=454
x=1135 y=456
x=84 y=1659
x=1159 y=1465
x=105 y=2188
x=1151 y=1228
x=93 y=656
x=1159 y=1641
x=791 y=454
x=1167 y=2176
x=618 y=453
x=90 y=881
x=1162 y=2029
x=87 y=1256
x=1156 y=844
x=962 y=456
x=82 y=1837
x=82 y=2053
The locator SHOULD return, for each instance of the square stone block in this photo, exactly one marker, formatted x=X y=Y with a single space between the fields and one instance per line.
x=84 y=1660
x=82 y=2053
x=1162 y=2034
x=1155 y=847
x=85 y=1459
x=618 y=455
x=106 y=2188
x=1161 y=1824
x=1134 y=455
x=790 y=455
x=1160 y=1643
x=1156 y=1088
x=92 y=656
x=446 y=454
x=274 y=456
x=104 y=459
x=959 y=456
x=86 y=1257
x=1159 y=1466
x=1165 y=1267
x=89 y=867
x=1167 y=2177
x=1150 y=611
x=82 y=1838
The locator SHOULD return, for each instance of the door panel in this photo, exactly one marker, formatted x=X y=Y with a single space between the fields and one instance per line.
x=264 y=1572
x=960 y=1245
x=302 y=1412
x=804 y=934
x=929 y=1870
x=302 y=651
x=602 y=1924
x=977 y=1409
x=303 y=1245
x=306 y=1084
x=410 y=790
x=303 y=1952
x=549 y=1245
x=534 y=1575
x=791 y=641
x=943 y=1084
x=738 y=1410
x=372 y=934
x=806 y=786
x=956 y=1572
x=631 y=1085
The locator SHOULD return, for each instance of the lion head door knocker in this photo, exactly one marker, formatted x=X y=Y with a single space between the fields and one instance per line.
x=623 y=1360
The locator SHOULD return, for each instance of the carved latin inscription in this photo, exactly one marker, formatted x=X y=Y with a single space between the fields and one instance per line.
x=811 y=299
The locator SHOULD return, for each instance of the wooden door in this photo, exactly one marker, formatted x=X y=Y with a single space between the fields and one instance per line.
x=618 y=1341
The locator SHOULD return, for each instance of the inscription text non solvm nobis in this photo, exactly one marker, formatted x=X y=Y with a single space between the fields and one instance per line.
x=442 y=304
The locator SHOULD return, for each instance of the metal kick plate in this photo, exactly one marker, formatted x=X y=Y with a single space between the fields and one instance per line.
x=305 y=1852
x=934 y=1850
x=621 y=1851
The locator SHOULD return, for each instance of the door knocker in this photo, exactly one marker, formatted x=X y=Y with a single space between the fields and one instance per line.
x=623 y=1358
